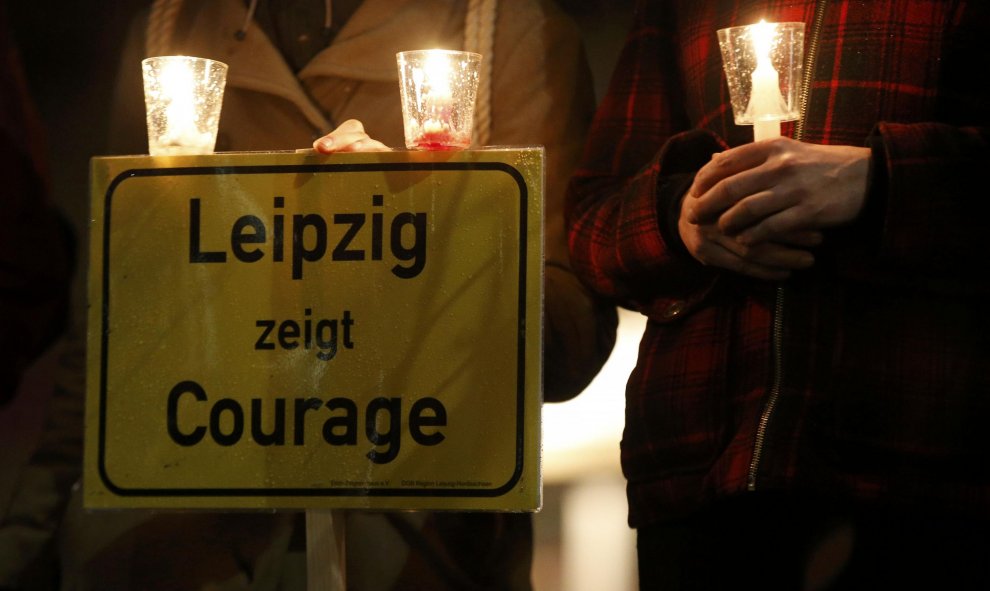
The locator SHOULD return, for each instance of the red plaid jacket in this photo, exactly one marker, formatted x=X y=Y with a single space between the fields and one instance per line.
x=865 y=377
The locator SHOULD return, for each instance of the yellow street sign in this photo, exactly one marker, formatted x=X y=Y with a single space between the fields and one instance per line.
x=305 y=331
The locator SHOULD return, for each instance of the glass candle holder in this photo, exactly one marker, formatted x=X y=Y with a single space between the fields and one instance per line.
x=438 y=90
x=182 y=97
x=763 y=65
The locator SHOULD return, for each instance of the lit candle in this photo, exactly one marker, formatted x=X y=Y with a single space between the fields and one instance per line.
x=761 y=94
x=183 y=96
x=766 y=104
x=438 y=90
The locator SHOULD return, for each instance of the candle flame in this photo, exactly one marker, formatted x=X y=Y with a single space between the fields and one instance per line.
x=763 y=34
x=177 y=83
x=436 y=70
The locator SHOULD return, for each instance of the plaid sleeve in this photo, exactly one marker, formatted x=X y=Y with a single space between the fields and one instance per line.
x=935 y=206
x=926 y=208
x=622 y=242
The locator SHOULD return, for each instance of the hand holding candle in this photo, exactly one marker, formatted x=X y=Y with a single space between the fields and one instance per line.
x=762 y=65
x=747 y=212
x=438 y=93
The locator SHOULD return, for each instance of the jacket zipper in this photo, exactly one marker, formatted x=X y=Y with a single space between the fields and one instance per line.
x=777 y=342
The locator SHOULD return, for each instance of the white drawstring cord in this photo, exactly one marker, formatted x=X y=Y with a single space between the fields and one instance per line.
x=479 y=37
x=242 y=32
x=161 y=26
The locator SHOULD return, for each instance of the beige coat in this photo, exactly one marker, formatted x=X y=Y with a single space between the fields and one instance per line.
x=541 y=94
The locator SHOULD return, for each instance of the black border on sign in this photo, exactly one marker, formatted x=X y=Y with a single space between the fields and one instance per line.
x=321 y=492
